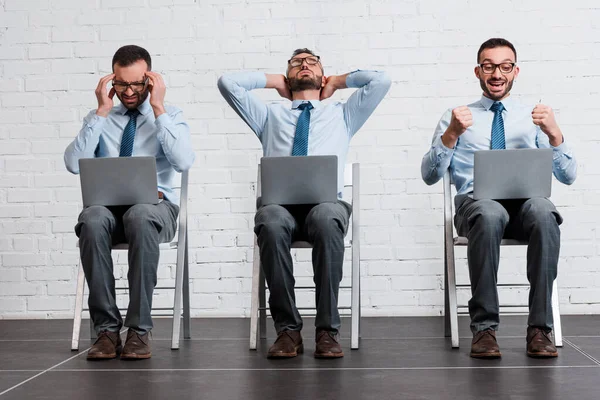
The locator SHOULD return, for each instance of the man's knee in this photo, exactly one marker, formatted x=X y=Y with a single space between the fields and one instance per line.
x=139 y=217
x=541 y=212
x=325 y=219
x=273 y=221
x=94 y=220
x=490 y=215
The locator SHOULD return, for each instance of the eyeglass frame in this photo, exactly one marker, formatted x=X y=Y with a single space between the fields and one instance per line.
x=128 y=85
x=497 y=66
x=302 y=60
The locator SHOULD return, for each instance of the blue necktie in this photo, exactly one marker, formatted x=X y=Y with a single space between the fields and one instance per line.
x=300 y=147
x=498 y=140
x=129 y=134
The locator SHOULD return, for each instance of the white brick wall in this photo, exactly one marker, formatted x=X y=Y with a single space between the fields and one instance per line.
x=52 y=53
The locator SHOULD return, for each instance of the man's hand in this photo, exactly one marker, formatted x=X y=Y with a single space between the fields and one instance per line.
x=104 y=97
x=279 y=83
x=333 y=83
x=158 y=90
x=543 y=116
x=460 y=121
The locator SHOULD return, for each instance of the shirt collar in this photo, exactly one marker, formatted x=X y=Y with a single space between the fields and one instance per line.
x=486 y=102
x=315 y=103
x=144 y=108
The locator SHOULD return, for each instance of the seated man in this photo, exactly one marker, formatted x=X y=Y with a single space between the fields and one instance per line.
x=322 y=130
x=140 y=126
x=481 y=126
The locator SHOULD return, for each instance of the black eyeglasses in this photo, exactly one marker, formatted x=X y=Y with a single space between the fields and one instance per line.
x=310 y=60
x=490 y=68
x=137 y=87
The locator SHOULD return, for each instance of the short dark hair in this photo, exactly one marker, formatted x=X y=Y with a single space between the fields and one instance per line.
x=301 y=51
x=493 y=43
x=129 y=54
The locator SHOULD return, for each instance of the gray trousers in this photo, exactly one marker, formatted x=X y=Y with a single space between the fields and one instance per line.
x=143 y=227
x=324 y=226
x=485 y=223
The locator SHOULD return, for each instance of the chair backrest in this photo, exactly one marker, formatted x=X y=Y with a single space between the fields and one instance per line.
x=183 y=200
x=448 y=226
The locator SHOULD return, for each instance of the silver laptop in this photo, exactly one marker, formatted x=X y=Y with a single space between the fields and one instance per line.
x=118 y=181
x=512 y=174
x=298 y=180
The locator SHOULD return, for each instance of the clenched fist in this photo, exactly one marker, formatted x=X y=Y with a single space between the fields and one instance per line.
x=543 y=116
x=460 y=121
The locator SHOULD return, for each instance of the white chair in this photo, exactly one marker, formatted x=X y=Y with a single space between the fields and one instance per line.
x=182 y=287
x=450 y=301
x=258 y=307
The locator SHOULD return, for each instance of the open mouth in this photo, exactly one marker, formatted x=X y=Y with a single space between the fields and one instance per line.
x=496 y=86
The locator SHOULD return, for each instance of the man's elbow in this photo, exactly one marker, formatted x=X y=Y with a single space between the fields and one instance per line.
x=224 y=83
x=384 y=79
x=185 y=164
x=71 y=165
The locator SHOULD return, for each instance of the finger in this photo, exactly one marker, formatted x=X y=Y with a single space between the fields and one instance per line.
x=156 y=78
x=151 y=82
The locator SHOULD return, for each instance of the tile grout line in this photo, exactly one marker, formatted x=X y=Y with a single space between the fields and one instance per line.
x=326 y=369
x=48 y=370
x=42 y=373
x=590 y=357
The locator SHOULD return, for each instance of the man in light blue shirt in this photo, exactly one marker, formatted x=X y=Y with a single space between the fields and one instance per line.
x=140 y=126
x=498 y=121
x=281 y=128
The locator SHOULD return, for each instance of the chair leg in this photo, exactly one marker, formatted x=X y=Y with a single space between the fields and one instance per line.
x=447 y=328
x=451 y=295
x=176 y=330
x=187 y=334
x=254 y=299
x=355 y=298
x=262 y=304
x=78 y=308
x=556 y=313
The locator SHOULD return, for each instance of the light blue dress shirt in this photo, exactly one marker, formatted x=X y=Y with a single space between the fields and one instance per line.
x=520 y=133
x=331 y=126
x=167 y=138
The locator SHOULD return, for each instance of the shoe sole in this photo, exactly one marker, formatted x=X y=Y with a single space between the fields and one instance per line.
x=102 y=356
x=134 y=356
x=543 y=355
x=489 y=355
x=299 y=350
x=329 y=355
x=105 y=356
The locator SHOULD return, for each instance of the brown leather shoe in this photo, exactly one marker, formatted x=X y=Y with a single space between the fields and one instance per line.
x=328 y=345
x=484 y=345
x=106 y=346
x=540 y=343
x=137 y=346
x=287 y=345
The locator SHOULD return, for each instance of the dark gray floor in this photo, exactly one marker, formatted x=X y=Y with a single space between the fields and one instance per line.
x=399 y=358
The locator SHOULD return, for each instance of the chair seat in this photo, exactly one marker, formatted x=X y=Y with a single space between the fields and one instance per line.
x=125 y=246
x=301 y=244
x=463 y=241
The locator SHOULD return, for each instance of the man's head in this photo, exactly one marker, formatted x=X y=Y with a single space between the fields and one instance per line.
x=130 y=64
x=304 y=71
x=496 y=67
